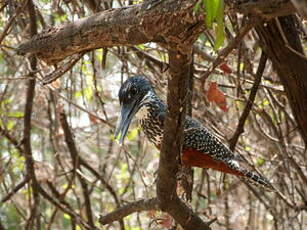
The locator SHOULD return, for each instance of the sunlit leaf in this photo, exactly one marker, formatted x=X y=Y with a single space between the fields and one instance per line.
x=10 y=125
x=141 y=47
x=78 y=94
x=260 y=161
x=247 y=148
x=265 y=102
x=5 y=101
x=211 y=8
x=132 y=134
x=219 y=29
x=66 y=216
x=88 y=92
x=15 y=114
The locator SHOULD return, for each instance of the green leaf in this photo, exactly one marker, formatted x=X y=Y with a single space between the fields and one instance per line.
x=132 y=134
x=19 y=163
x=260 y=161
x=247 y=148
x=265 y=102
x=16 y=114
x=219 y=29
x=112 y=137
x=66 y=216
x=5 y=101
x=88 y=92
x=141 y=46
x=10 y=125
x=78 y=94
x=211 y=9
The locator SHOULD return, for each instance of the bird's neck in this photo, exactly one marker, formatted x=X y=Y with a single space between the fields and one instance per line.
x=151 y=117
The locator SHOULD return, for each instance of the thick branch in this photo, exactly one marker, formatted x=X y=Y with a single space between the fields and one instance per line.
x=151 y=21
x=281 y=42
x=265 y=8
x=172 y=141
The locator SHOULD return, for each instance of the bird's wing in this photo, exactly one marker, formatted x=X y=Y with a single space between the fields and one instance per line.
x=203 y=149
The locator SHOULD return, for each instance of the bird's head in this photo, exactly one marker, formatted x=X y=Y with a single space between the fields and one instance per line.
x=131 y=95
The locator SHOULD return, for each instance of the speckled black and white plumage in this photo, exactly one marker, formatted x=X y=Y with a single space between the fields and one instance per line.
x=151 y=113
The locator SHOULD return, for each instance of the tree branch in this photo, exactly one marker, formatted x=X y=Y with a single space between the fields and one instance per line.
x=120 y=213
x=65 y=208
x=240 y=128
x=60 y=71
x=34 y=217
x=11 y=139
x=15 y=190
x=172 y=143
x=276 y=37
x=11 y=20
x=76 y=164
x=267 y=9
x=150 y=21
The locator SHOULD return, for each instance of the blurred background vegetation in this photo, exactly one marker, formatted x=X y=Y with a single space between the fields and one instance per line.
x=87 y=94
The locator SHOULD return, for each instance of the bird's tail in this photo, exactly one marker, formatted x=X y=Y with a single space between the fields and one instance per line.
x=247 y=176
x=257 y=180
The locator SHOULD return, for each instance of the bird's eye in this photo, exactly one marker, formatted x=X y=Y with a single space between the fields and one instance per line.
x=133 y=91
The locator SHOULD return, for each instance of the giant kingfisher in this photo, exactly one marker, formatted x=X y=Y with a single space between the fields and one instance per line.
x=138 y=98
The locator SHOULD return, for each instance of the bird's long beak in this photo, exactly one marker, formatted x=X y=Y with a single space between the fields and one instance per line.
x=126 y=114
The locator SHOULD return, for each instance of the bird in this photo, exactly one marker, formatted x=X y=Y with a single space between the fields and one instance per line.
x=137 y=98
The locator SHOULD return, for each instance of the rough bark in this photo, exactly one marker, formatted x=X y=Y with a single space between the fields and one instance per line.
x=150 y=21
x=281 y=42
x=172 y=143
x=264 y=8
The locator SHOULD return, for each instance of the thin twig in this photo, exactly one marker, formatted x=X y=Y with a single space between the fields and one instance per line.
x=65 y=208
x=11 y=20
x=59 y=72
x=15 y=190
x=11 y=139
x=34 y=217
x=252 y=96
x=103 y=181
x=76 y=164
x=231 y=45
